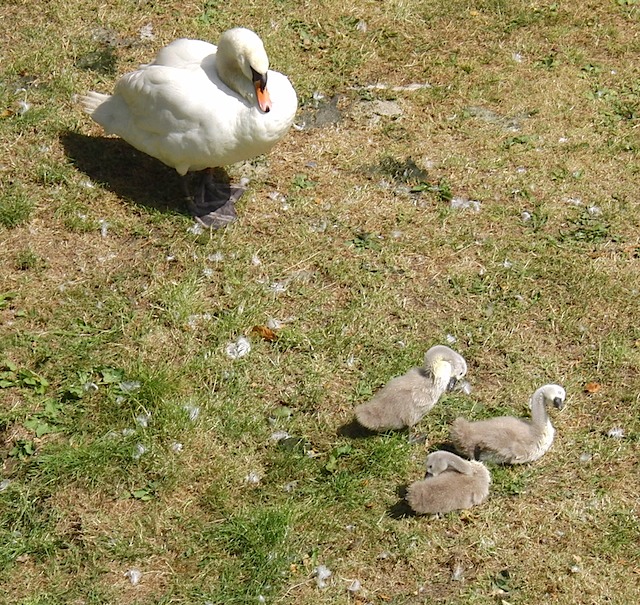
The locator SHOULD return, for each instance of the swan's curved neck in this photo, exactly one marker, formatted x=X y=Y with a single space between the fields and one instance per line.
x=230 y=73
x=539 y=414
x=229 y=69
x=458 y=464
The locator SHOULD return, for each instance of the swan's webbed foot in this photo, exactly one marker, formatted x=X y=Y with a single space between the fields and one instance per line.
x=213 y=201
x=415 y=438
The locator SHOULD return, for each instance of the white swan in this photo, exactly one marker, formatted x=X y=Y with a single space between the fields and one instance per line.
x=197 y=106
x=451 y=483
x=405 y=399
x=510 y=440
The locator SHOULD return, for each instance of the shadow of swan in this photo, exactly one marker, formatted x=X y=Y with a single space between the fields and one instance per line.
x=130 y=174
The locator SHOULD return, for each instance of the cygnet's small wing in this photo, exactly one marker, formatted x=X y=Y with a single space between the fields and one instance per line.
x=394 y=406
x=503 y=440
x=449 y=491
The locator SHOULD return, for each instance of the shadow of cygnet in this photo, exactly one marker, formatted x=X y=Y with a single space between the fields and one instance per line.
x=401 y=509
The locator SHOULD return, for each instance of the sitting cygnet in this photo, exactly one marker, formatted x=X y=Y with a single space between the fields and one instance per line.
x=404 y=400
x=509 y=440
x=451 y=483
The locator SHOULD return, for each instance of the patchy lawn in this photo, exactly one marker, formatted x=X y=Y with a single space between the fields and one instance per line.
x=461 y=172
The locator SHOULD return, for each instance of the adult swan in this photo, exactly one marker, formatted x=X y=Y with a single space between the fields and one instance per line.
x=196 y=107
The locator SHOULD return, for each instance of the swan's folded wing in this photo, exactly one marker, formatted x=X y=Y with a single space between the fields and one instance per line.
x=161 y=99
x=183 y=53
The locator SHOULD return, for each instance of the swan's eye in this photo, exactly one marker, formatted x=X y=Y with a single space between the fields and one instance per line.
x=259 y=79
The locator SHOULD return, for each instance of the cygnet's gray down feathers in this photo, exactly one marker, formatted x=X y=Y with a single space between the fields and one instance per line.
x=451 y=484
x=404 y=400
x=510 y=440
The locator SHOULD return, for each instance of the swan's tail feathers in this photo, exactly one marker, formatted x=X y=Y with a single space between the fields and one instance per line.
x=369 y=417
x=92 y=100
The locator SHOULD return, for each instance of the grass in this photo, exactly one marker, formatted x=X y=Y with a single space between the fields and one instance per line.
x=130 y=440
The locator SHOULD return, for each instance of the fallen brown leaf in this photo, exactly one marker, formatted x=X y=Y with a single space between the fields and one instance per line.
x=265 y=333
x=591 y=387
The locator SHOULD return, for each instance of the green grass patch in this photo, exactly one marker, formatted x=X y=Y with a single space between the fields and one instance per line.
x=15 y=206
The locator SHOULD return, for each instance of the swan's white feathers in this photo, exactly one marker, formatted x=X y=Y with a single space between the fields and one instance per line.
x=178 y=110
x=184 y=53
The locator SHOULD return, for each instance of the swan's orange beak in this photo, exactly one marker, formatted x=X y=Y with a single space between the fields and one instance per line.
x=264 y=100
x=260 y=83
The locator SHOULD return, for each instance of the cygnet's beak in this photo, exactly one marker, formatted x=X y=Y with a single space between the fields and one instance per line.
x=428 y=475
x=260 y=84
x=452 y=383
x=558 y=402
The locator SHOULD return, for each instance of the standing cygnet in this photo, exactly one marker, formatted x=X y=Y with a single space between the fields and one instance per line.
x=509 y=440
x=451 y=483
x=404 y=400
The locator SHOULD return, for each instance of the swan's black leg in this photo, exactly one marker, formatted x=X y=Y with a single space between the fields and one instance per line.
x=414 y=437
x=212 y=202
